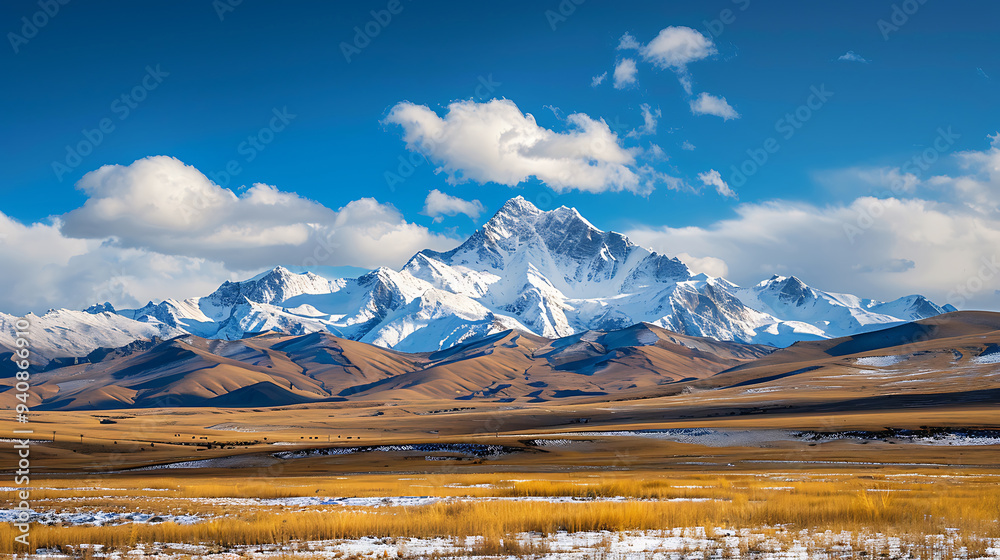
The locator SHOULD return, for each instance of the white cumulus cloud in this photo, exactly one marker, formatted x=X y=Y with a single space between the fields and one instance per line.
x=161 y=205
x=495 y=142
x=438 y=204
x=881 y=248
x=160 y=229
x=675 y=47
x=56 y=271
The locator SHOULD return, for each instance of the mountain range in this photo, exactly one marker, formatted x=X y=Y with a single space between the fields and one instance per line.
x=276 y=369
x=548 y=274
x=947 y=360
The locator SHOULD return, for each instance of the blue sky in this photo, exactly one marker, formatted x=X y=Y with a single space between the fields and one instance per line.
x=209 y=77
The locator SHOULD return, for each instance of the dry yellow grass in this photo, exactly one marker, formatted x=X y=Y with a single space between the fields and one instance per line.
x=496 y=520
x=903 y=505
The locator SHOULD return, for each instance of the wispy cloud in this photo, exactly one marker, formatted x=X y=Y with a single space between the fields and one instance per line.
x=598 y=80
x=713 y=178
x=656 y=152
x=628 y=43
x=851 y=56
x=706 y=104
x=649 y=120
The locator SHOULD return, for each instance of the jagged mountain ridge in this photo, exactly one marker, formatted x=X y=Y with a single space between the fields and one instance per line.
x=550 y=273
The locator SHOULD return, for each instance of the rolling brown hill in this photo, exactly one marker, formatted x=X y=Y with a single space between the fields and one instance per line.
x=943 y=361
x=278 y=369
x=947 y=342
x=949 y=361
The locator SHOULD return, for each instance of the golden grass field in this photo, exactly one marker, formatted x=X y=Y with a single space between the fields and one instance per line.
x=785 y=492
x=905 y=504
x=778 y=490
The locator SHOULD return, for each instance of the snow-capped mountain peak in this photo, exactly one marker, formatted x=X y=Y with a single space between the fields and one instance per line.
x=787 y=290
x=105 y=307
x=551 y=273
x=275 y=285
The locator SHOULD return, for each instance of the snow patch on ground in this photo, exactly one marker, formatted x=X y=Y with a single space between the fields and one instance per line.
x=957 y=439
x=390 y=501
x=881 y=361
x=698 y=436
x=953 y=438
x=101 y=518
x=97 y=518
x=468 y=449
x=767 y=437
x=553 y=442
x=236 y=427
x=679 y=543
x=762 y=390
x=992 y=358
x=238 y=461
